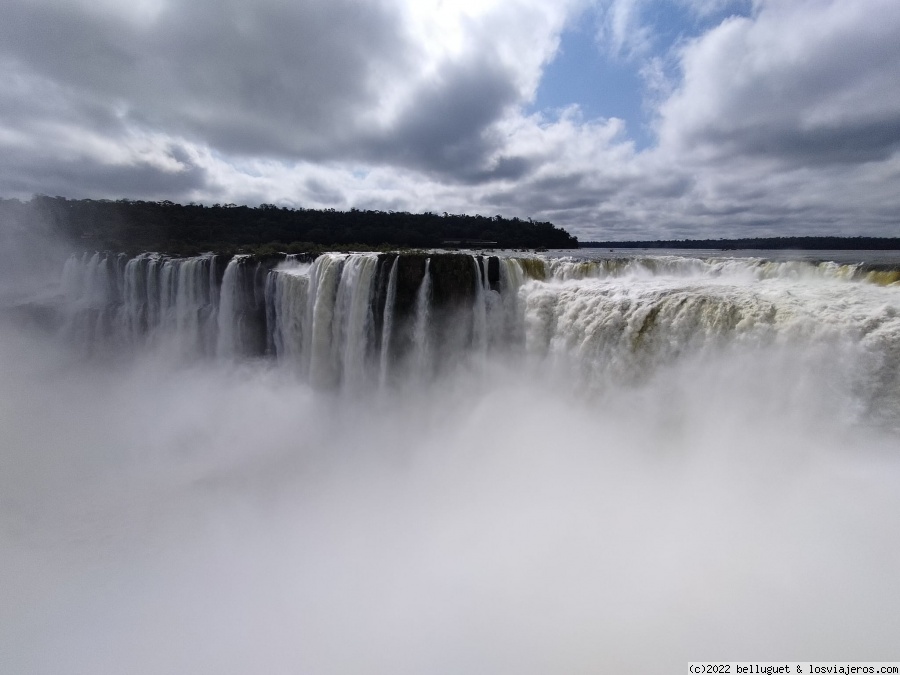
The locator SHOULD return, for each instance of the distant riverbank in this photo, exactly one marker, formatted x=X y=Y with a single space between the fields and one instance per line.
x=761 y=243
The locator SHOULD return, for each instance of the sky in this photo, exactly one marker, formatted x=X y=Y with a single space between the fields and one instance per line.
x=615 y=119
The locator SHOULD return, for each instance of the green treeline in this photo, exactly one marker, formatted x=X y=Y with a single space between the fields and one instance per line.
x=133 y=226
x=766 y=243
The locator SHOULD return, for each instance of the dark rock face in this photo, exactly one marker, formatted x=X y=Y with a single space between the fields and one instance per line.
x=494 y=272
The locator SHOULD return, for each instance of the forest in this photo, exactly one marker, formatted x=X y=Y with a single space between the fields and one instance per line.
x=163 y=226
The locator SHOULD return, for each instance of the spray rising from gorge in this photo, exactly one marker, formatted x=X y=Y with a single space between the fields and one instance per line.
x=450 y=463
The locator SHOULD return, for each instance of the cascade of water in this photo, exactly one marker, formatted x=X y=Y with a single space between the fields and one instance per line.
x=229 y=334
x=116 y=301
x=353 y=315
x=186 y=314
x=72 y=279
x=167 y=277
x=387 y=326
x=99 y=297
x=121 y=262
x=213 y=282
x=75 y=279
x=319 y=354
x=152 y=272
x=497 y=329
x=207 y=298
x=287 y=301
x=272 y=338
x=629 y=328
x=512 y=277
x=149 y=280
x=610 y=317
x=421 y=343
x=187 y=319
x=479 y=309
x=563 y=269
x=98 y=289
x=882 y=277
x=133 y=313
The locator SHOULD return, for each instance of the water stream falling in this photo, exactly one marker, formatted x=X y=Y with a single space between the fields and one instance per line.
x=480 y=308
x=421 y=358
x=332 y=322
x=387 y=328
x=229 y=342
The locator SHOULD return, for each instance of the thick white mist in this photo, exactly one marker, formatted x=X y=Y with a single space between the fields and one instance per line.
x=635 y=464
x=228 y=519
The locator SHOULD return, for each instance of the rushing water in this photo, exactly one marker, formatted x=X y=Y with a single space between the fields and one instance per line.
x=447 y=464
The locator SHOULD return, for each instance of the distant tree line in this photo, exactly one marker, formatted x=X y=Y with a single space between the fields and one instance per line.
x=768 y=243
x=132 y=226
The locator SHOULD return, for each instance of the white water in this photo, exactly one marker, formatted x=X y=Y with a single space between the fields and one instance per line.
x=421 y=358
x=480 y=317
x=388 y=323
x=229 y=340
x=168 y=302
x=675 y=461
x=288 y=293
x=353 y=328
x=319 y=350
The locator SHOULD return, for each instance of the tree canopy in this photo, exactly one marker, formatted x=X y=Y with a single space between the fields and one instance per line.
x=126 y=225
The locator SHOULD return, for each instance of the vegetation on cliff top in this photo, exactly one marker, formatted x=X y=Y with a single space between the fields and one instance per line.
x=133 y=226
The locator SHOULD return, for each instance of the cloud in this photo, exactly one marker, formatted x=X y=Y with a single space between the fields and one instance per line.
x=315 y=81
x=790 y=129
x=758 y=86
x=622 y=29
x=782 y=120
x=280 y=78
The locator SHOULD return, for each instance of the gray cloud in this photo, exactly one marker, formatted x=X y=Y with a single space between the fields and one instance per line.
x=787 y=121
x=316 y=80
x=98 y=180
x=446 y=129
x=821 y=93
x=852 y=143
x=277 y=78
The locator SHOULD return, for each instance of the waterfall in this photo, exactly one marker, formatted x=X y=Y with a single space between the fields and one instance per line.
x=72 y=280
x=387 y=326
x=511 y=325
x=90 y=301
x=287 y=298
x=271 y=292
x=168 y=279
x=189 y=295
x=228 y=343
x=320 y=316
x=98 y=284
x=421 y=345
x=611 y=320
x=479 y=308
x=353 y=318
x=152 y=286
x=134 y=305
x=319 y=351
